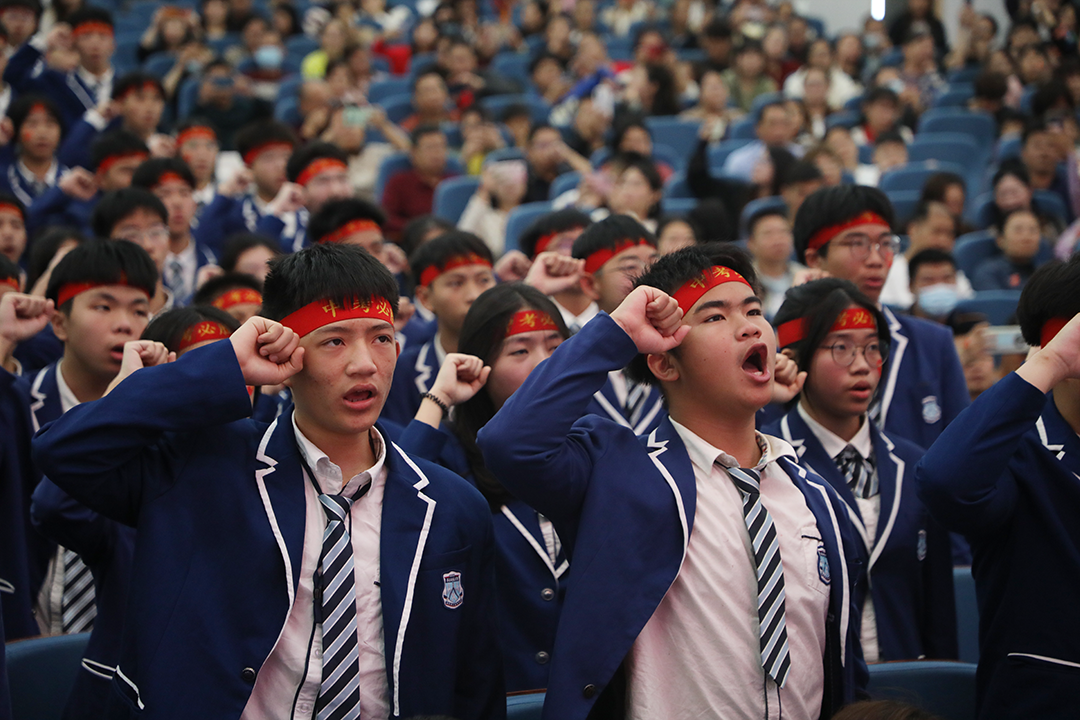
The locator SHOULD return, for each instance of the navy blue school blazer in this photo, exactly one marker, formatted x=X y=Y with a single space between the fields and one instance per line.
x=292 y=234
x=605 y=403
x=924 y=389
x=909 y=558
x=26 y=404
x=218 y=501
x=27 y=72
x=225 y=216
x=414 y=375
x=624 y=508
x=1006 y=474
x=530 y=586
x=107 y=548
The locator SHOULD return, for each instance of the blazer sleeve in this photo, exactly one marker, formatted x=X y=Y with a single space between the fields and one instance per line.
x=536 y=444
x=939 y=639
x=19 y=73
x=66 y=521
x=964 y=478
x=954 y=385
x=118 y=452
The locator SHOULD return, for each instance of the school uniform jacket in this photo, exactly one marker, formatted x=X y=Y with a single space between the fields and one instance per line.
x=624 y=509
x=414 y=375
x=219 y=504
x=605 y=403
x=80 y=137
x=290 y=232
x=531 y=587
x=909 y=559
x=924 y=389
x=27 y=191
x=55 y=207
x=27 y=72
x=225 y=216
x=1006 y=474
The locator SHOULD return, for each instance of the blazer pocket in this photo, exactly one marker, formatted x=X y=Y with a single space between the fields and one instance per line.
x=446 y=560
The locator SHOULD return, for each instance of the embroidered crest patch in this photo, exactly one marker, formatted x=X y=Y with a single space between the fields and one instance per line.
x=452 y=592
x=931 y=411
x=823 y=565
x=920 y=547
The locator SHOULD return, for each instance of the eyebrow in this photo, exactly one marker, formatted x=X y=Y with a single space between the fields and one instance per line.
x=109 y=297
x=724 y=304
x=338 y=327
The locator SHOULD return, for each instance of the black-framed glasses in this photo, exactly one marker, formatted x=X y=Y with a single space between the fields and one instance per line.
x=860 y=244
x=843 y=353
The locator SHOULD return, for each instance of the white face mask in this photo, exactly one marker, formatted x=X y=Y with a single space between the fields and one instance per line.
x=939 y=300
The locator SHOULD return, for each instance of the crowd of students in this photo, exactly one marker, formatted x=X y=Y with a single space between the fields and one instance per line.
x=288 y=445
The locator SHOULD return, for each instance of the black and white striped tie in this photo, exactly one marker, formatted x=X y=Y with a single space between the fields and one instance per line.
x=772 y=626
x=636 y=394
x=858 y=472
x=339 y=692
x=77 y=606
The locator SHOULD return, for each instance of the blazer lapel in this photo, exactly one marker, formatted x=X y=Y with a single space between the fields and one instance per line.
x=1058 y=438
x=423 y=367
x=890 y=471
x=523 y=518
x=668 y=454
x=280 y=481
x=896 y=357
x=609 y=401
x=45 y=405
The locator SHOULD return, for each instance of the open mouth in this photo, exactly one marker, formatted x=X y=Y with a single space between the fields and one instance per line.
x=116 y=352
x=756 y=361
x=359 y=396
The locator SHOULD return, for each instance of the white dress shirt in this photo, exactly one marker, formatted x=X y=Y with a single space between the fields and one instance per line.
x=288 y=682
x=576 y=322
x=182 y=283
x=699 y=656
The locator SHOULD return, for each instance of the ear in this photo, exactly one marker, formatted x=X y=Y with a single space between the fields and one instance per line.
x=589 y=286
x=663 y=366
x=423 y=295
x=59 y=324
x=813 y=260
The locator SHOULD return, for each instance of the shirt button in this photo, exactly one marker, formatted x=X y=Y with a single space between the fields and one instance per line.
x=589 y=691
x=542 y=657
x=248 y=675
x=547 y=594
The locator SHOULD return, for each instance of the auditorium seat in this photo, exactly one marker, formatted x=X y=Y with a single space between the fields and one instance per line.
x=42 y=672
x=946 y=689
x=525 y=706
x=967 y=614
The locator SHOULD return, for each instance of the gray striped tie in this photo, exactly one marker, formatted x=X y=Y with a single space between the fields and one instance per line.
x=339 y=692
x=858 y=472
x=772 y=626
x=77 y=606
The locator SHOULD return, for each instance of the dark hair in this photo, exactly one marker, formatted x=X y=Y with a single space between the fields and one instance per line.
x=1014 y=167
x=609 y=233
x=150 y=172
x=835 y=205
x=714 y=219
x=552 y=223
x=819 y=303
x=516 y=110
x=929 y=256
x=426 y=72
x=765 y=212
x=9 y=269
x=135 y=80
x=115 y=143
x=482 y=334
x=883 y=710
x=539 y=126
x=294 y=18
x=643 y=164
x=1049 y=293
x=328 y=271
x=215 y=287
x=116 y=205
x=238 y=244
x=1034 y=126
x=20 y=110
x=43 y=248
x=261 y=132
x=169 y=327
x=671 y=272
x=666 y=220
x=422 y=130
x=880 y=93
x=106 y=262
x=799 y=172
x=666 y=99
x=759 y=117
x=990 y=85
x=9 y=199
x=336 y=213
x=937 y=184
x=32 y=5
x=923 y=209
x=890 y=137
x=718 y=28
x=307 y=154
x=749 y=45
x=626 y=125
x=89 y=14
x=543 y=57
x=412 y=235
x=782 y=161
x=438 y=251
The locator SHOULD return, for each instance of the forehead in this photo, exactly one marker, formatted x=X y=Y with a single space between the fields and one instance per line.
x=140 y=217
x=872 y=229
x=935 y=268
x=464 y=271
x=638 y=252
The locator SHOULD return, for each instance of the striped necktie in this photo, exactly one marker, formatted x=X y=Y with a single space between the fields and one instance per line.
x=772 y=626
x=77 y=606
x=339 y=692
x=858 y=472
x=636 y=394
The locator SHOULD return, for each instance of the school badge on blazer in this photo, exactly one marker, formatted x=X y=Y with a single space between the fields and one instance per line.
x=823 y=564
x=452 y=593
x=931 y=410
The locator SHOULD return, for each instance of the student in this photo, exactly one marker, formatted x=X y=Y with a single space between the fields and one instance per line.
x=450 y=271
x=556 y=232
x=770 y=242
x=250 y=254
x=236 y=294
x=352 y=221
x=675 y=232
x=1019 y=243
x=76 y=90
x=933 y=226
x=100 y=293
x=114 y=158
x=12 y=228
x=840 y=340
x=36 y=133
x=1004 y=475
x=138 y=216
x=509 y=330
x=616 y=251
x=847 y=232
x=197 y=145
x=257 y=547
x=679 y=556
x=172 y=182
x=934 y=285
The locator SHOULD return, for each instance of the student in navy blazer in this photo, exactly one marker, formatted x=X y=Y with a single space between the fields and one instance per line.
x=1005 y=474
x=220 y=504
x=5 y=695
x=625 y=506
x=911 y=613
x=847 y=232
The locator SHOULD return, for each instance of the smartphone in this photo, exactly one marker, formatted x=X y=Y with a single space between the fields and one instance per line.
x=357 y=116
x=1005 y=340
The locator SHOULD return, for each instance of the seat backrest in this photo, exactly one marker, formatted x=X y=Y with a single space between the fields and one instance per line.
x=967 y=614
x=999 y=307
x=563 y=183
x=904 y=203
x=945 y=689
x=743 y=130
x=676 y=187
x=452 y=195
x=979 y=125
x=391 y=165
x=972 y=249
x=520 y=219
x=41 y=673
x=678 y=206
x=389 y=88
x=913 y=175
x=397 y=107
x=680 y=135
x=718 y=153
x=528 y=706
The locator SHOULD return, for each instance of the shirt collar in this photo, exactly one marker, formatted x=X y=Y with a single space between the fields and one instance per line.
x=320 y=463
x=67 y=397
x=571 y=319
x=704 y=456
x=833 y=443
x=95 y=81
x=31 y=179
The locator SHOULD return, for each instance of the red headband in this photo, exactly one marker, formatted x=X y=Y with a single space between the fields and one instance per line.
x=167 y=177
x=350 y=228
x=12 y=281
x=93 y=26
x=529 y=320
x=317 y=167
x=148 y=85
x=70 y=290
x=1051 y=328
x=196 y=132
x=10 y=207
x=692 y=290
x=596 y=261
x=824 y=235
x=251 y=155
x=205 y=331
x=323 y=312
x=238 y=296
x=110 y=160
x=545 y=240
x=793 y=331
x=39 y=107
x=433 y=271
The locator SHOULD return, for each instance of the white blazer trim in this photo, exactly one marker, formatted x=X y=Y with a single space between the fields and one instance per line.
x=138 y=696
x=423 y=370
x=531 y=540
x=406 y=612
x=611 y=410
x=99 y=669
x=659 y=449
x=643 y=423
x=6 y=587
x=896 y=356
x=39 y=397
x=844 y=609
x=269 y=508
x=883 y=536
x=1059 y=450
x=1043 y=658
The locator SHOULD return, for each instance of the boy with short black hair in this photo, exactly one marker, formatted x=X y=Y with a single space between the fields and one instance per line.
x=769 y=240
x=717 y=524
x=197 y=145
x=556 y=233
x=238 y=294
x=450 y=271
x=339 y=522
x=36 y=133
x=138 y=216
x=12 y=228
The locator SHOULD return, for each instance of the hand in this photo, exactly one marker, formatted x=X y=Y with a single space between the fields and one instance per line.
x=394 y=258
x=139 y=354
x=513 y=266
x=59 y=38
x=236 y=184
x=787 y=380
x=652 y=319
x=23 y=316
x=207 y=272
x=804 y=276
x=973 y=344
x=553 y=273
x=107 y=109
x=161 y=146
x=79 y=183
x=289 y=199
x=268 y=352
x=460 y=377
x=405 y=311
